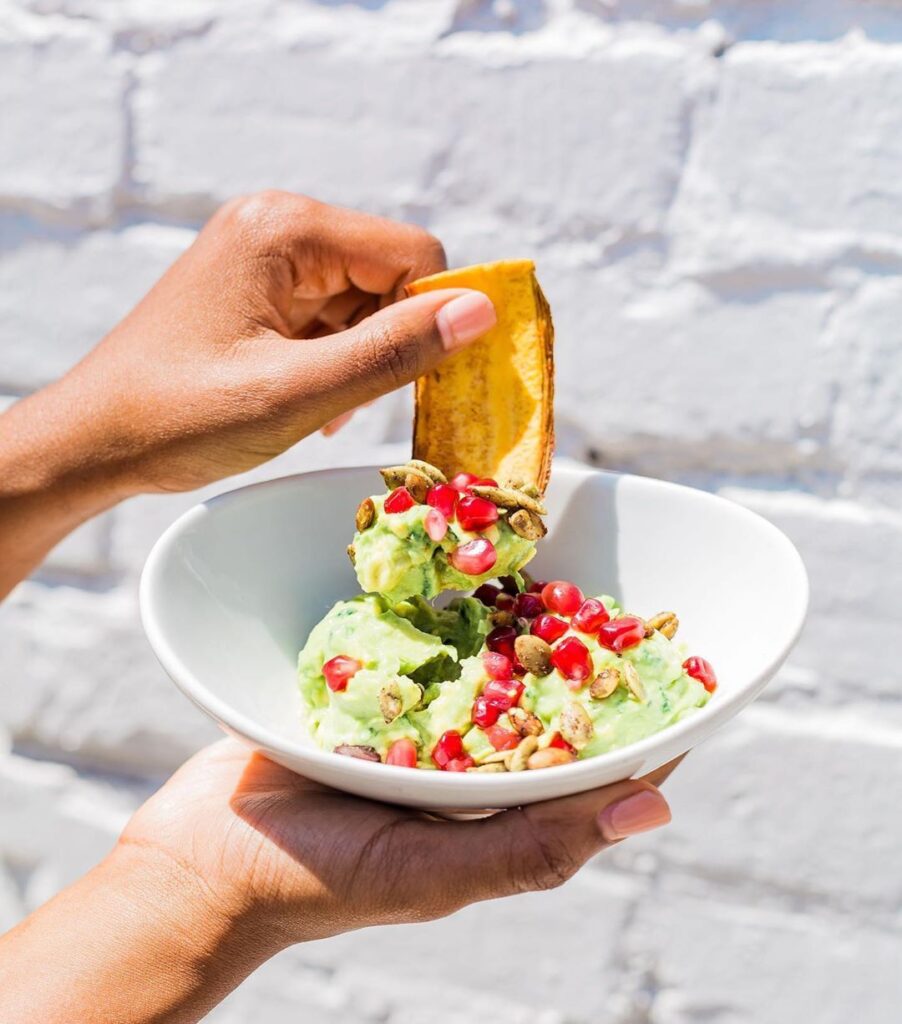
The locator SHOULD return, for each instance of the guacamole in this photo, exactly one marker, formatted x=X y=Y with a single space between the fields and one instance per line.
x=522 y=675
x=397 y=558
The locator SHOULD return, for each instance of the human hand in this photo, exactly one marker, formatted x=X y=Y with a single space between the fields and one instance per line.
x=276 y=321
x=303 y=861
x=236 y=858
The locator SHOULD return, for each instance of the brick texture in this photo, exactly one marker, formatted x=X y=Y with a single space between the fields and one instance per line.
x=712 y=193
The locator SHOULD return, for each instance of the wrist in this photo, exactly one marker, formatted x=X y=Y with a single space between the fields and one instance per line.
x=210 y=939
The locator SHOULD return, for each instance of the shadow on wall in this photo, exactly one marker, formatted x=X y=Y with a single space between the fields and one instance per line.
x=815 y=20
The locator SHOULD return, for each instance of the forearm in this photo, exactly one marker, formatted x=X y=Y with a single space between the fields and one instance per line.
x=130 y=942
x=51 y=477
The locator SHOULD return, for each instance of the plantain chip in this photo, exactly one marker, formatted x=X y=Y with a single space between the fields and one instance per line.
x=488 y=409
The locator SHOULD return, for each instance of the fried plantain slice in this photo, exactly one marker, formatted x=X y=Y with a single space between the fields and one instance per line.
x=489 y=409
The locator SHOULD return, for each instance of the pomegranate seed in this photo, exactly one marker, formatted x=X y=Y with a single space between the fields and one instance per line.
x=621 y=634
x=484 y=481
x=538 y=586
x=497 y=666
x=509 y=585
x=571 y=658
x=403 y=753
x=474 y=558
x=562 y=597
x=400 y=500
x=436 y=525
x=504 y=692
x=558 y=741
x=339 y=670
x=501 y=641
x=462 y=481
x=528 y=606
x=501 y=739
x=486 y=711
x=505 y=602
x=701 y=670
x=590 y=616
x=460 y=764
x=548 y=627
x=448 y=747
x=444 y=498
x=487 y=593
x=476 y=513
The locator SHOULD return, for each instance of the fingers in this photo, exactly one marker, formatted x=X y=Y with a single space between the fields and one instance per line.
x=331 y=248
x=387 y=350
x=536 y=847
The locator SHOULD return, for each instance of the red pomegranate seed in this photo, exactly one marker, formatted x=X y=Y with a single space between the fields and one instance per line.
x=501 y=739
x=538 y=586
x=572 y=659
x=444 y=498
x=487 y=593
x=474 y=558
x=548 y=627
x=486 y=711
x=460 y=764
x=562 y=597
x=505 y=692
x=701 y=670
x=403 y=753
x=558 y=741
x=462 y=481
x=400 y=500
x=448 y=747
x=484 y=481
x=436 y=525
x=339 y=670
x=505 y=602
x=621 y=634
x=528 y=606
x=501 y=640
x=476 y=513
x=590 y=616
x=497 y=666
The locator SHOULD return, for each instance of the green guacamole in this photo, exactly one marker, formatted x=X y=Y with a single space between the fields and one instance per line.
x=430 y=660
x=395 y=556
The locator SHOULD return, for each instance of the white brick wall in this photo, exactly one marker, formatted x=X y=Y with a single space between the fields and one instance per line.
x=712 y=191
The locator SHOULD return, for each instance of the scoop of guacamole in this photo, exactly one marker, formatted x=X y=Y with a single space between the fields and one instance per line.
x=412 y=656
x=396 y=557
x=421 y=670
x=389 y=676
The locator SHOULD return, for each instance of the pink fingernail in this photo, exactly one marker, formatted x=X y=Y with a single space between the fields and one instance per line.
x=640 y=812
x=464 y=319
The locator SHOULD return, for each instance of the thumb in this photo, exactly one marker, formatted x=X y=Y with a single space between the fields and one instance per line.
x=392 y=347
x=541 y=845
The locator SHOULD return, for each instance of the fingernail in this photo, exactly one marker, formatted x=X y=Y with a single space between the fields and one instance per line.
x=640 y=812
x=464 y=319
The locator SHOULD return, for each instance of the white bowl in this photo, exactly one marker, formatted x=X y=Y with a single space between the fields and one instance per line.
x=231 y=590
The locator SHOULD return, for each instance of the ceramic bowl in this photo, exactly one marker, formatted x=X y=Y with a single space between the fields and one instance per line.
x=231 y=590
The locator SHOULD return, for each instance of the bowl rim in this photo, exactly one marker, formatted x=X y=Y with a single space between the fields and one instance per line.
x=705 y=721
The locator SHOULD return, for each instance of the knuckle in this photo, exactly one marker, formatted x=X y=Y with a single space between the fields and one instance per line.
x=545 y=862
x=263 y=215
x=395 y=353
x=431 y=256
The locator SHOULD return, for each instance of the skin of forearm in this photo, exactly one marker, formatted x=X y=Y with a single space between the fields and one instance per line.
x=52 y=477
x=151 y=945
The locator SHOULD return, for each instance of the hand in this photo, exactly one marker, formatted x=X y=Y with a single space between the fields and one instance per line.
x=278 y=320
x=304 y=861
x=271 y=325
x=236 y=858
